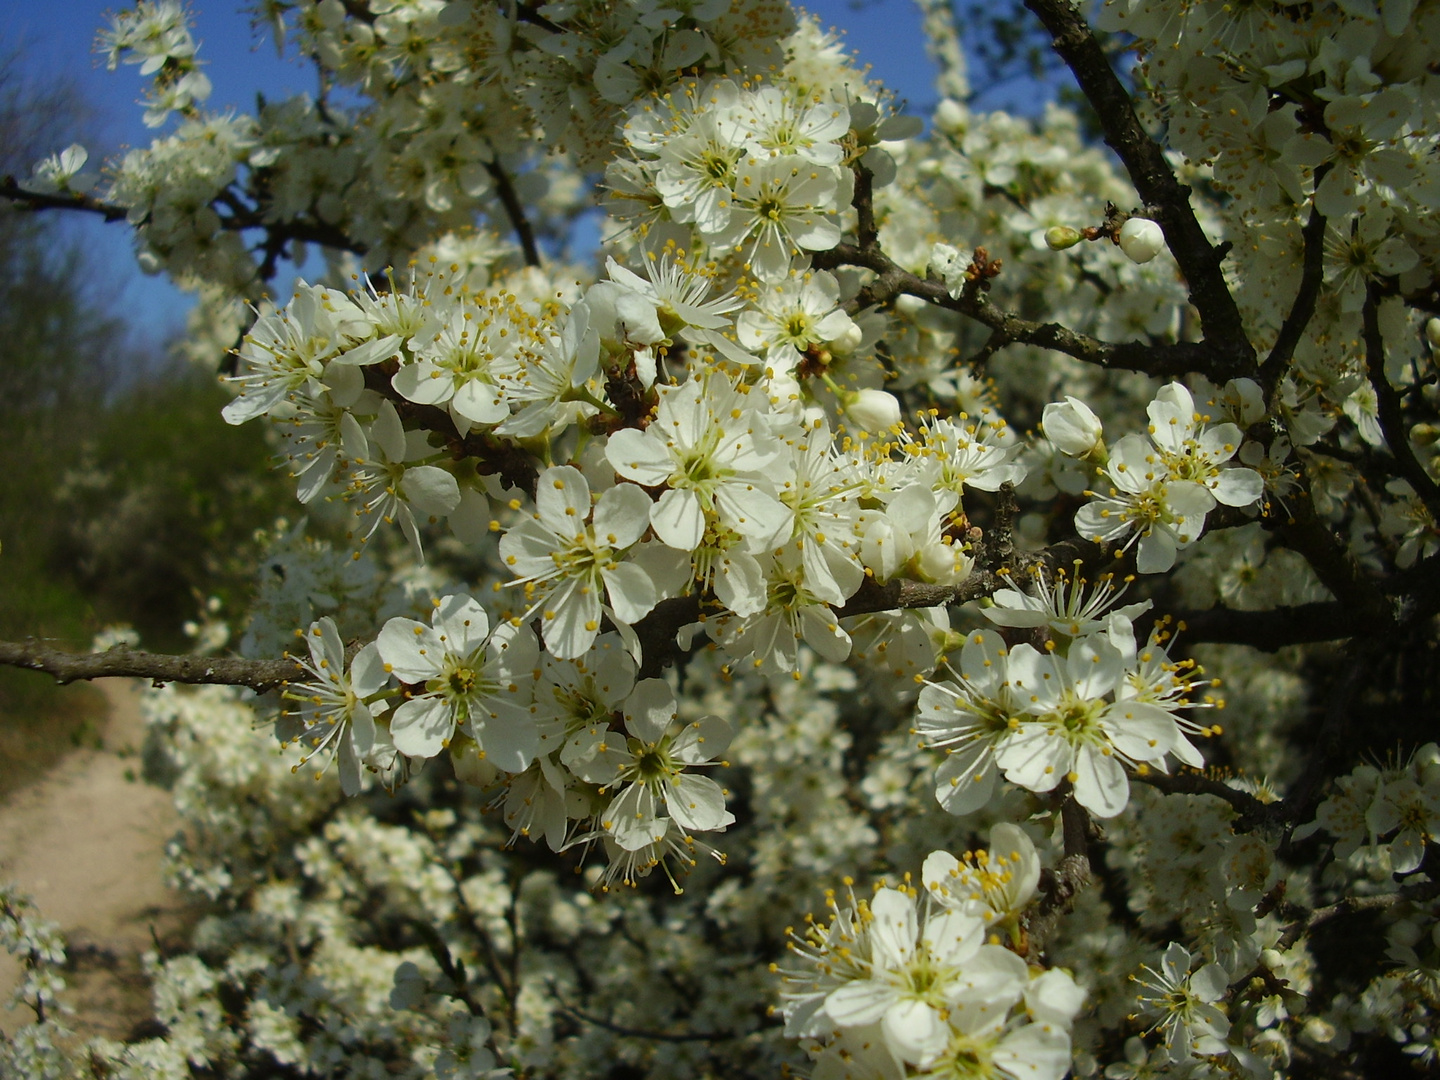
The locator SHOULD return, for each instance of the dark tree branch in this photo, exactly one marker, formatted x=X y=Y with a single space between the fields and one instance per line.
x=1060 y=887
x=1301 y=311
x=1192 y=783
x=240 y=219
x=524 y=232
x=1327 y=620
x=1336 y=565
x=1166 y=200
x=640 y=1033
x=1392 y=423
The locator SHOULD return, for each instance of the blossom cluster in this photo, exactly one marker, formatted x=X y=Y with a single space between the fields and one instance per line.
x=904 y=984
x=1094 y=702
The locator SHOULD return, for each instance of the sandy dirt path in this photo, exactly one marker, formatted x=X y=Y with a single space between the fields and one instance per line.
x=86 y=843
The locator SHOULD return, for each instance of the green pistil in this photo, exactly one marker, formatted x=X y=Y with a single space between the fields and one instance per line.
x=462 y=681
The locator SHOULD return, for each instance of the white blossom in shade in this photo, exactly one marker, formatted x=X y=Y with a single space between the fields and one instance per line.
x=576 y=700
x=822 y=494
x=319 y=438
x=770 y=639
x=1194 y=450
x=793 y=316
x=575 y=703
x=461 y=356
x=776 y=210
x=995 y=885
x=286 y=351
x=337 y=719
x=570 y=557
x=712 y=450
x=908 y=537
x=1362 y=250
x=1070 y=729
x=648 y=771
x=1063 y=603
x=655 y=123
x=1182 y=1006
x=671 y=301
x=970 y=451
x=968 y=718
x=1072 y=427
x=536 y=803
x=389 y=489
x=1145 y=508
x=780 y=121
x=1408 y=804
x=468 y=678
x=1141 y=239
x=1154 y=680
x=549 y=383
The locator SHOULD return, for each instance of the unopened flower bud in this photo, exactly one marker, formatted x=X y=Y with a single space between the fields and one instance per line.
x=1141 y=239
x=873 y=410
x=1432 y=333
x=470 y=767
x=950 y=116
x=1425 y=434
x=1060 y=237
x=847 y=341
x=1272 y=959
x=1071 y=426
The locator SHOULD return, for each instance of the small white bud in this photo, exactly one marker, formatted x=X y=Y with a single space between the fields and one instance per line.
x=1072 y=427
x=873 y=410
x=1432 y=333
x=950 y=116
x=1141 y=239
x=847 y=341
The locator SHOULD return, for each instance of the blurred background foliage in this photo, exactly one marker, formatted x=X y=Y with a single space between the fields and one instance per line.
x=123 y=496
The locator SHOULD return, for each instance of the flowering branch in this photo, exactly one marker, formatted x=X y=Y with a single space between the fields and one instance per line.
x=1165 y=198
x=1160 y=361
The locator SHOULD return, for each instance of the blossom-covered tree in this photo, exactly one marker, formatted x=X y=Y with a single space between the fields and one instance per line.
x=1054 y=523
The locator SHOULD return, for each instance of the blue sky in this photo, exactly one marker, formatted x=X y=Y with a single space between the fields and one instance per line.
x=57 y=39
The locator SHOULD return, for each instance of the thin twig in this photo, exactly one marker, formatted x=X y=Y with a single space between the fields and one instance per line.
x=892 y=280
x=68 y=667
x=1354 y=905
